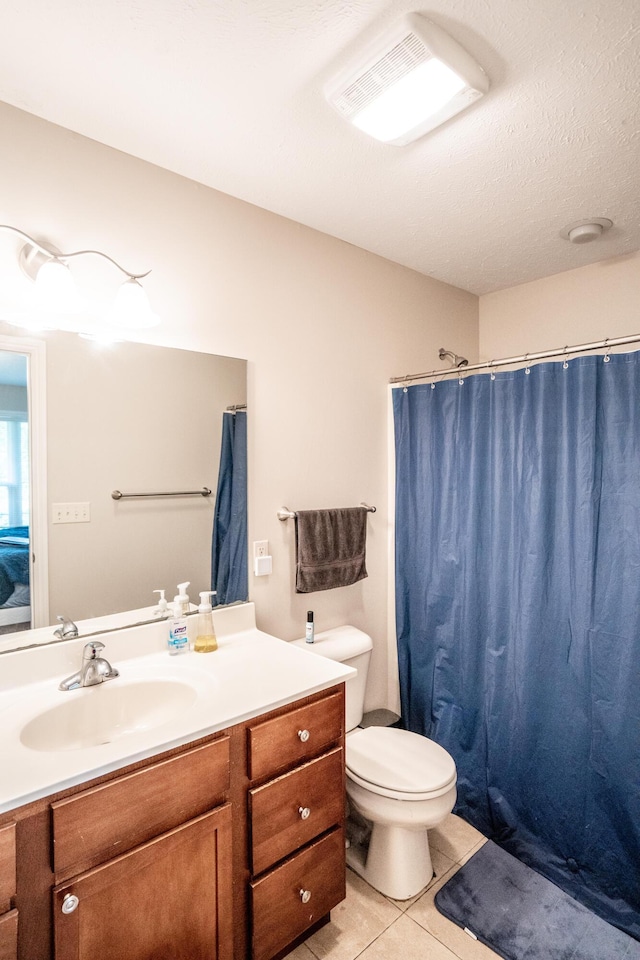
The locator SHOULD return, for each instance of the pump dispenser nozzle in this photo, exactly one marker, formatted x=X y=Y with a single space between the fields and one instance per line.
x=182 y=598
x=162 y=610
x=206 y=603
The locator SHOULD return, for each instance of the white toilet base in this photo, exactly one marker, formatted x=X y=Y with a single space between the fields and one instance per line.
x=397 y=862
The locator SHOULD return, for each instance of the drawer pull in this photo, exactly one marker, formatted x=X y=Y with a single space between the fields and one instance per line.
x=305 y=896
x=304 y=735
x=69 y=903
x=304 y=813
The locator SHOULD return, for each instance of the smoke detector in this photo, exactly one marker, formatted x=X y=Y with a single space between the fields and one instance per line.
x=408 y=81
x=584 y=231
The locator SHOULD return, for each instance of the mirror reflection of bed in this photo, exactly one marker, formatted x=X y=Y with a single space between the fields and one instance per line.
x=15 y=609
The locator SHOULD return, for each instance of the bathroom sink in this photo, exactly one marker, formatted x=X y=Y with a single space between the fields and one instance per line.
x=105 y=712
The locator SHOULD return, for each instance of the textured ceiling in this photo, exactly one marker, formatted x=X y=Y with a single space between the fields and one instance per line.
x=230 y=93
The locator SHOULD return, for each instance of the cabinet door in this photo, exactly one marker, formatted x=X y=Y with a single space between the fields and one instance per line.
x=9 y=935
x=170 y=897
x=7 y=866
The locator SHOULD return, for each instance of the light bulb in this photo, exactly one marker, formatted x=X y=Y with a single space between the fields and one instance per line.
x=55 y=289
x=131 y=309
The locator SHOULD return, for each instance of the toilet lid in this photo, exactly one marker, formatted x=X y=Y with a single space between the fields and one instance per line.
x=398 y=760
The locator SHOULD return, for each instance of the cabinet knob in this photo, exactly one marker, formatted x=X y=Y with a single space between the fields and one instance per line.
x=304 y=735
x=304 y=812
x=69 y=903
x=305 y=896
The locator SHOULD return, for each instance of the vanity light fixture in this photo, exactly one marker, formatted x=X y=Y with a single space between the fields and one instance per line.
x=56 y=295
x=412 y=79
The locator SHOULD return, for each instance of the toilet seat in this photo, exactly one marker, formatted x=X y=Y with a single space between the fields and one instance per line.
x=399 y=764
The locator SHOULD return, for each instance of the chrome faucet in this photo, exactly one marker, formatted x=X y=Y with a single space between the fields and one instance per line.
x=67 y=630
x=94 y=669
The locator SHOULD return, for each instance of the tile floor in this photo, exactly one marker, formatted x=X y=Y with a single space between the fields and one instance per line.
x=370 y=926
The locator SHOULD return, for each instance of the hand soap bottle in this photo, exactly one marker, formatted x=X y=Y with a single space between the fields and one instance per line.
x=205 y=637
x=183 y=598
x=178 y=637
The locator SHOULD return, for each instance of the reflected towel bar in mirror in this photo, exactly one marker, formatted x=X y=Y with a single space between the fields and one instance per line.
x=285 y=514
x=204 y=492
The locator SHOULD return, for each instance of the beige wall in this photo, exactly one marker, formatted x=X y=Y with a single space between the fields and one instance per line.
x=579 y=306
x=322 y=324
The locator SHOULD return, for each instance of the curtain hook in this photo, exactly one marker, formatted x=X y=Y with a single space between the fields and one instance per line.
x=565 y=365
x=526 y=369
x=493 y=376
x=608 y=351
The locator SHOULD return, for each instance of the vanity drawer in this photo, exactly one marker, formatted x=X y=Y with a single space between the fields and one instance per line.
x=280 y=914
x=7 y=866
x=9 y=936
x=295 y=737
x=100 y=823
x=290 y=811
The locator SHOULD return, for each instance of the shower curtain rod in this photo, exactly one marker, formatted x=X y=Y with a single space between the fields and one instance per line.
x=525 y=358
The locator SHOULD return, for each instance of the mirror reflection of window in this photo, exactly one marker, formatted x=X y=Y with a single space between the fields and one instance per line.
x=15 y=608
x=14 y=470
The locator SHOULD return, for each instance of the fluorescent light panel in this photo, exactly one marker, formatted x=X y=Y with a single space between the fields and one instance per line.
x=409 y=81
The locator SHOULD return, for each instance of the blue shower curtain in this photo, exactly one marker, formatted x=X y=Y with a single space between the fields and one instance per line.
x=518 y=610
x=229 y=544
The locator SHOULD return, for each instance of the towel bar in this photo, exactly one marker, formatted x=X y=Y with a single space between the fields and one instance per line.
x=205 y=492
x=285 y=514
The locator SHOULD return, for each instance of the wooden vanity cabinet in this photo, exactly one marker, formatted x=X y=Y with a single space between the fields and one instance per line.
x=8 y=916
x=231 y=848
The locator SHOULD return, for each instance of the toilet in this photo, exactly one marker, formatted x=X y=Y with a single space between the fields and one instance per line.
x=402 y=783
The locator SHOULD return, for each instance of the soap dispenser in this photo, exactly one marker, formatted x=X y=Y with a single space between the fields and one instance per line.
x=205 y=637
x=178 y=638
x=162 y=610
x=182 y=599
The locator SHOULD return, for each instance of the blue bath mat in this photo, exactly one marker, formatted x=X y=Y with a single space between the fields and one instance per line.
x=523 y=916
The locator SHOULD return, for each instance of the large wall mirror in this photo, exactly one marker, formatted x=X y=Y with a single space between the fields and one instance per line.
x=124 y=416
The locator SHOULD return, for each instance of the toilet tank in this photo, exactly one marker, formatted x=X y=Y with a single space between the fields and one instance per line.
x=353 y=647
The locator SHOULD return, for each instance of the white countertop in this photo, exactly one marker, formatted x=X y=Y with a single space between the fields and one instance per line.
x=251 y=673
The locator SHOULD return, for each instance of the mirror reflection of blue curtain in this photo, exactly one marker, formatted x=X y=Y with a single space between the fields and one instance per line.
x=518 y=611
x=229 y=576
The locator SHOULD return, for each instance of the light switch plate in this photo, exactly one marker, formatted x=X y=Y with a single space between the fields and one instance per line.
x=71 y=512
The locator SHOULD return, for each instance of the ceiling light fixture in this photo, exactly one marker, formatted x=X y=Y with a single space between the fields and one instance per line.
x=584 y=231
x=57 y=296
x=412 y=79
